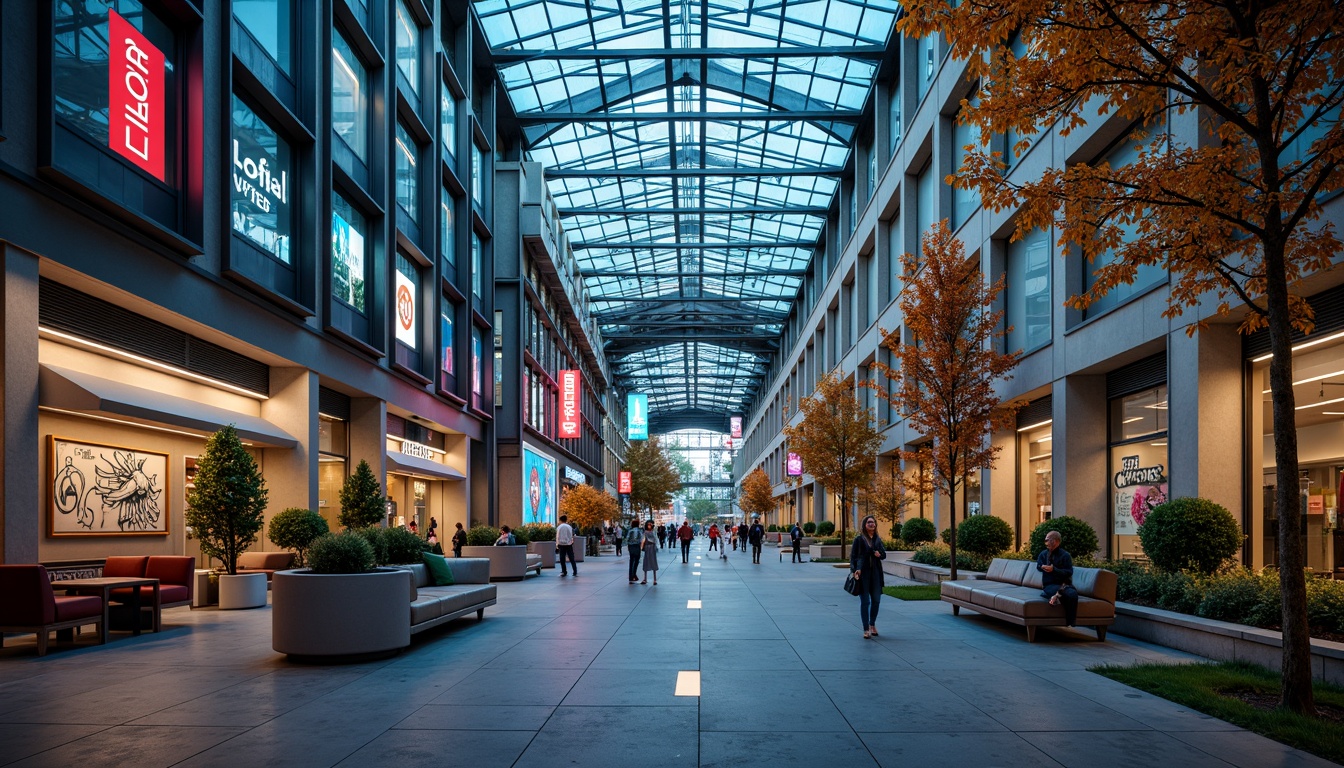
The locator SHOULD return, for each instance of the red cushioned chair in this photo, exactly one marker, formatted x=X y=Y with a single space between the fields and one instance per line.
x=28 y=604
x=125 y=567
x=176 y=577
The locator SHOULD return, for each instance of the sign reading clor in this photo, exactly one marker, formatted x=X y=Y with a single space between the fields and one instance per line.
x=135 y=86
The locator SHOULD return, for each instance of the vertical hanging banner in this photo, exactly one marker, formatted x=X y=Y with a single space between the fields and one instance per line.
x=135 y=86
x=569 y=404
x=794 y=465
x=624 y=483
x=637 y=415
x=735 y=428
x=406 y=312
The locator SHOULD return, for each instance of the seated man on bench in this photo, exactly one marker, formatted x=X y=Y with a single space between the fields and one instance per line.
x=1056 y=565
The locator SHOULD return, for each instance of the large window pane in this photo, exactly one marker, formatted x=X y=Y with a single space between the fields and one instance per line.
x=964 y=201
x=1028 y=292
x=83 y=82
x=894 y=115
x=1146 y=277
x=477 y=183
x=925 y=64
x=407 y=156
x=349 y=232
x=926 y=202
x=448 y=126
x=476 y=265
x=408 y=47
x=271 y=23
x=349 y=97
x=447 y=248
x=447 y=318
x=263 y=167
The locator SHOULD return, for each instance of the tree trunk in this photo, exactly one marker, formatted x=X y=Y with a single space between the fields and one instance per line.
x=1297 y=694
x=952 y=513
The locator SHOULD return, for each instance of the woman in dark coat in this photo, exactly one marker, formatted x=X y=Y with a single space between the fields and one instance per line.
x=865 y=560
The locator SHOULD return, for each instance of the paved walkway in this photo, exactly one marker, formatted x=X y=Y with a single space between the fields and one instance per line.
x=582 y=671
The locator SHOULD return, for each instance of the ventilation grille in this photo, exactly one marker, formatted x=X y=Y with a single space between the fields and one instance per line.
x=333 y=403
x=65 y=309
x=1136 y=377
x=1329 y=309
x=1035 y=412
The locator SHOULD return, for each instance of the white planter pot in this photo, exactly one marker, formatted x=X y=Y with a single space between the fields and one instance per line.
x=547 y=551
x=246 y=590
x=332 y=615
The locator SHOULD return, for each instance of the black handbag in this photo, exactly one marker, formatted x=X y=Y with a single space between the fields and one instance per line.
x=852 y=585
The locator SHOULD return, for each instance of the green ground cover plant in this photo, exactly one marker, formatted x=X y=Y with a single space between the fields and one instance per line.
x=914 y=592
x=1245 y=695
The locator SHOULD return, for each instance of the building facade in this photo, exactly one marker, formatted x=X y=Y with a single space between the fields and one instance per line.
x=1146 y=411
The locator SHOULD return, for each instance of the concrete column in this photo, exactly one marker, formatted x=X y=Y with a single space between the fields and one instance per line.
x=1204 y=391
x=22 y=518
x=368 y=435
x=291 y=473
x=1078 y=464
x=998 y=486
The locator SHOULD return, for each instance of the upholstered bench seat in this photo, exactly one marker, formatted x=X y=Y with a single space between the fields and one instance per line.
x=1011 y=590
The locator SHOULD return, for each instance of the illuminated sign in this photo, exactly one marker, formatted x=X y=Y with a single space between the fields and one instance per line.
x=637 y=416
x=625 y=483
x=135 y=84
x=405 y=310
x=418 y=450
x=569 y=404
x=794 y=466
x=575 y=476
x=735 y=430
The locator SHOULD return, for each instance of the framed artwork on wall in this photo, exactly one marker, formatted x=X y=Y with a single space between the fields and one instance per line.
x=106 y=490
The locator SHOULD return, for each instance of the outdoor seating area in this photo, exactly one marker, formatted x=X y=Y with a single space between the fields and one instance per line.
x=509 y=563
x=1011 y=590
x=265 y=562
x=29 y=604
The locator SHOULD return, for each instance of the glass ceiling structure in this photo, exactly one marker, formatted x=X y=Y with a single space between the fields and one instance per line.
x=694 y=149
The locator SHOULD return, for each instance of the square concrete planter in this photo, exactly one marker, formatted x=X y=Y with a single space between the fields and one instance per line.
x=580 y=546
x=547 y=551
x=825 y=550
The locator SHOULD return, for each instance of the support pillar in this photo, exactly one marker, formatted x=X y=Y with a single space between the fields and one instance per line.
x=21 y=518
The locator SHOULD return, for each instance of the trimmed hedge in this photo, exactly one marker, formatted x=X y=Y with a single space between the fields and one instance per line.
x=296 y=528
x=825 y=528
x=984 y=535
x=482 y=535
x=918 y=530
x=346 y=552
x=1076 y=537
x=402 y=547
x=941 y=556
x=1190 y=533
x=534 y=532
x=809 y=528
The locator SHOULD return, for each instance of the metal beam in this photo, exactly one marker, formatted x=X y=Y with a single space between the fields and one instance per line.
x=749 y=210
x=512 y=56
x=705 y=273
x=637 y=173
x=682 y=299
x=614 y=245
x=811 y=115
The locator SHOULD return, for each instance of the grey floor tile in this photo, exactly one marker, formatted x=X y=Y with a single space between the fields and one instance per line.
x=937 y=749
x=1251 y=750
x=906 y=701
x=646 y=687
x=593 y=736
x=20 y=740
x=141 y=746
x=806 y=750
x=441 y=749
x=726 y=698
x=512 y=686
x=451 y=717
x=1101 y=749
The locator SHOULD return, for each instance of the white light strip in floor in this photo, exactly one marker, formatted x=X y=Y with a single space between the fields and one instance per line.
x=688 y=683
x=695 y=573
x=693 y=604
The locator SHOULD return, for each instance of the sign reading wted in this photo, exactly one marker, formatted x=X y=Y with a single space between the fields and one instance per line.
x=135 y=80
x=569 y=404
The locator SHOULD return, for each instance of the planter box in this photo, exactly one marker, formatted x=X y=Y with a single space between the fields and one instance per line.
x=245 y=590
x=825 y=550
x=547 y=551
x=929 y=574
x=1222 y=640
x=580 y=546
x=334 y=615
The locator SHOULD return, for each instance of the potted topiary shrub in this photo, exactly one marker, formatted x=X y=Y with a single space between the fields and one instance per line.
x=295 y=529
x=225 y=511
x=362 y=501
x=343 y=605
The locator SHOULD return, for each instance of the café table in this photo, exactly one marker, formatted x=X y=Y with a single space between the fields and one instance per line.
x=103 y=587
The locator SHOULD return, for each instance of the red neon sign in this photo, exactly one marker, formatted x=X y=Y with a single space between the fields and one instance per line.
x=736 y=426
x=625 y=482
x=569 y=404
x=135 y=84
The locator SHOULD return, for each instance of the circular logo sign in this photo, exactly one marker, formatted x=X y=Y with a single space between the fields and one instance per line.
x=405 y=307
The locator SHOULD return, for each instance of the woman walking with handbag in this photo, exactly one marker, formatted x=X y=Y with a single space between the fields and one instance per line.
x=865 y=561
x=651 y=552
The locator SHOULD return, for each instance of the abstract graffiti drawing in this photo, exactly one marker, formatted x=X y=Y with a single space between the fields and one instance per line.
x=106 y=490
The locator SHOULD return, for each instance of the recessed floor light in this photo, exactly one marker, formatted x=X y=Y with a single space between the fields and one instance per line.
x=693 y=604
x=688 y=683
x=695 y=573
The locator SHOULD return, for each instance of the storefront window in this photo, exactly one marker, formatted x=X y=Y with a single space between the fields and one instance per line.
x=1037 y=481
x=408 y=294
x=1027 y=300
x=349 y=97
x=348 y=233
x=333 y=448
x=122 y=96
x=1138 y=458
x=270 y=22
x=408 y=47
x=260 y=194
x=407 y=156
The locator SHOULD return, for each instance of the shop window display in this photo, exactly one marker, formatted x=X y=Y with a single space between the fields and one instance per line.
x=260 y=194
x=1138 y=464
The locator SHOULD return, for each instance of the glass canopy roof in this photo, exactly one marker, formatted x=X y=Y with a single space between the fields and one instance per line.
x=694 y=149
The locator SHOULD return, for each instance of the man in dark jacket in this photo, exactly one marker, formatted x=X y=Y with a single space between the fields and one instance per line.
x=685 y=534
x=662 y=537
x=796 y=536
x=1056 y=567
x=757 y=536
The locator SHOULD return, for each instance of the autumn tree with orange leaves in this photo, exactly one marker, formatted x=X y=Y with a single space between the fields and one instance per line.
x=891 y=492
x=837 y=441
x=1230 y=208
x=946 y=378
x=758 y=496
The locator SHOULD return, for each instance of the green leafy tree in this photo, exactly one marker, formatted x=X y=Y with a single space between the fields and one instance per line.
x=226 y=509
x=702 y=510
x=362 y=501
x=295 y=529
